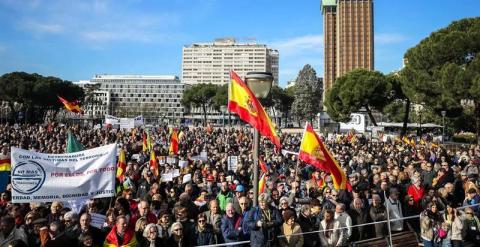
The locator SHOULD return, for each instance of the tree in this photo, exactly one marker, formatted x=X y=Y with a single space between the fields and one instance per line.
x=444 y=69
x=36 y=94
x=308 y=94
x=200 y=95
x=356 y=90
x=221 y=97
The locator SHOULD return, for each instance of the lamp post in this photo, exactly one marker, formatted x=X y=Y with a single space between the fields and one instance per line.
x=223 y=109
x=443 y=127
x=260 y=83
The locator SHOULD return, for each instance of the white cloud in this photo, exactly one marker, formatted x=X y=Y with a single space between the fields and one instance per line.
x=300 y=44
x=389 y=38
x=297 y=51
x=42 y=28
x=94 y=22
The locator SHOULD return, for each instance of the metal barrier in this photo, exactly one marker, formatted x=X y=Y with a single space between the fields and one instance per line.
x=341 y=228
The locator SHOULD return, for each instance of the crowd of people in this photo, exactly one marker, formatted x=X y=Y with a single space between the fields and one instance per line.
x=299 y=205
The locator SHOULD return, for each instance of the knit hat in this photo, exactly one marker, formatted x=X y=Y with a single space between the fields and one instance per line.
x=288 y=214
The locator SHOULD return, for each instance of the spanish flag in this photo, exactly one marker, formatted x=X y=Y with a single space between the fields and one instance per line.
x=406 y=140
x=5 y=165
x=144 y=142
x=261 y=184
x=243 y=102
x=263 y=166
x=314 y=152
x=153 y=163
x=121 y=165
x=149 y=141
x=173 y=150
x=71 y=106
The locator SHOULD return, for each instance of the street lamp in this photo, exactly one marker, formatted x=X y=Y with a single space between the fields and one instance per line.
x=443 y=127
x=260 y=83
x=223 y=109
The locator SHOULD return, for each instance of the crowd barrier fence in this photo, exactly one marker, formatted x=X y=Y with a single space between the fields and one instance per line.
x=341 y=228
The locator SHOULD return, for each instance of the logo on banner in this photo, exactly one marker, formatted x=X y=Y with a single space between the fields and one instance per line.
x=28 y=177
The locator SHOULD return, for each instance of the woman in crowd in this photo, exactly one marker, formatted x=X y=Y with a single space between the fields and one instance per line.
x=291 y=230
x=430 y=226
x=150 y=237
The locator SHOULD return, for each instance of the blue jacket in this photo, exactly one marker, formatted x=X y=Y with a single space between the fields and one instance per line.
x=229 y=232
x=265 y=236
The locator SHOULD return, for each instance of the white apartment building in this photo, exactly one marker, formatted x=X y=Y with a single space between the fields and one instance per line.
x=212 y=62
x=151 y=96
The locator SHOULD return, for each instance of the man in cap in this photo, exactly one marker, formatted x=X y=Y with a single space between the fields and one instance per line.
x=239 y=192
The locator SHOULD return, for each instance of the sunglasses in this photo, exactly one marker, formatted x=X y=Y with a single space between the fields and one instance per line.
x=177 y=230
x=201 y=221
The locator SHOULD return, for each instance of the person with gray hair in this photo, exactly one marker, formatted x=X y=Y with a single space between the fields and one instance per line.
x=72 y=229
x=378 y=212
x=264 y=222
x=151 y=236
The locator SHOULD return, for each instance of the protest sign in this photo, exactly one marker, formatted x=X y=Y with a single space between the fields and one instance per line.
x=171 y=160
x=203 y=154
x=127 y=123
x=187 y=178
x=176 y=173
x=98 y=220
x=39 y=177
x=167 y=177
x=182 y=163
x=232 y=163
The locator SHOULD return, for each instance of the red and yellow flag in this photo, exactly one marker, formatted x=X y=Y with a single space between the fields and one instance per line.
x=243 y=102
x=71 y=106
x=153 y=163
x=263 y=166
x=262 y=184
x=144 y=142
x=173 y=150
x=121 y=165
x=314 y=152
x=5 y=165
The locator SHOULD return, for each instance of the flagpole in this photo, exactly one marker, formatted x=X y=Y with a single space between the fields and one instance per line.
x=388 y=220
x=256 y=142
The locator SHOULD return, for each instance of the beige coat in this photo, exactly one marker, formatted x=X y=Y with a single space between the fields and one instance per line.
x=291 y=241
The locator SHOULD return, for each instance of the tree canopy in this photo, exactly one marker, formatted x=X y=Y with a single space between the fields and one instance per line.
x=308 y=94
x=358 y=90
x=443 y=70
x=36 y=94
x=200 y=95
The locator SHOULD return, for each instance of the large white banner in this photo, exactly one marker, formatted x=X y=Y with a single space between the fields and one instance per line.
x=109 y=119
x=39 y=177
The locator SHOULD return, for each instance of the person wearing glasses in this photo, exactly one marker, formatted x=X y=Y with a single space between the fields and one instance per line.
x=72 y=230
x=150 y=237
x=203 y=233
x=264 y=222
x=177 y=238
x=472 y=228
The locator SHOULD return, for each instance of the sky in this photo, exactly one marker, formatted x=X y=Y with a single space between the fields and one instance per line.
x=76 y=39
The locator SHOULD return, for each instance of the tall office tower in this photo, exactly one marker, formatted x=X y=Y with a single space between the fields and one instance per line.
x=212 y=62
x=348 y=37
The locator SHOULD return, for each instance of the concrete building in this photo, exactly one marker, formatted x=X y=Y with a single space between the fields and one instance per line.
x=97 y=102
x=348 y=37
x=150 y=96
x=212 y=62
